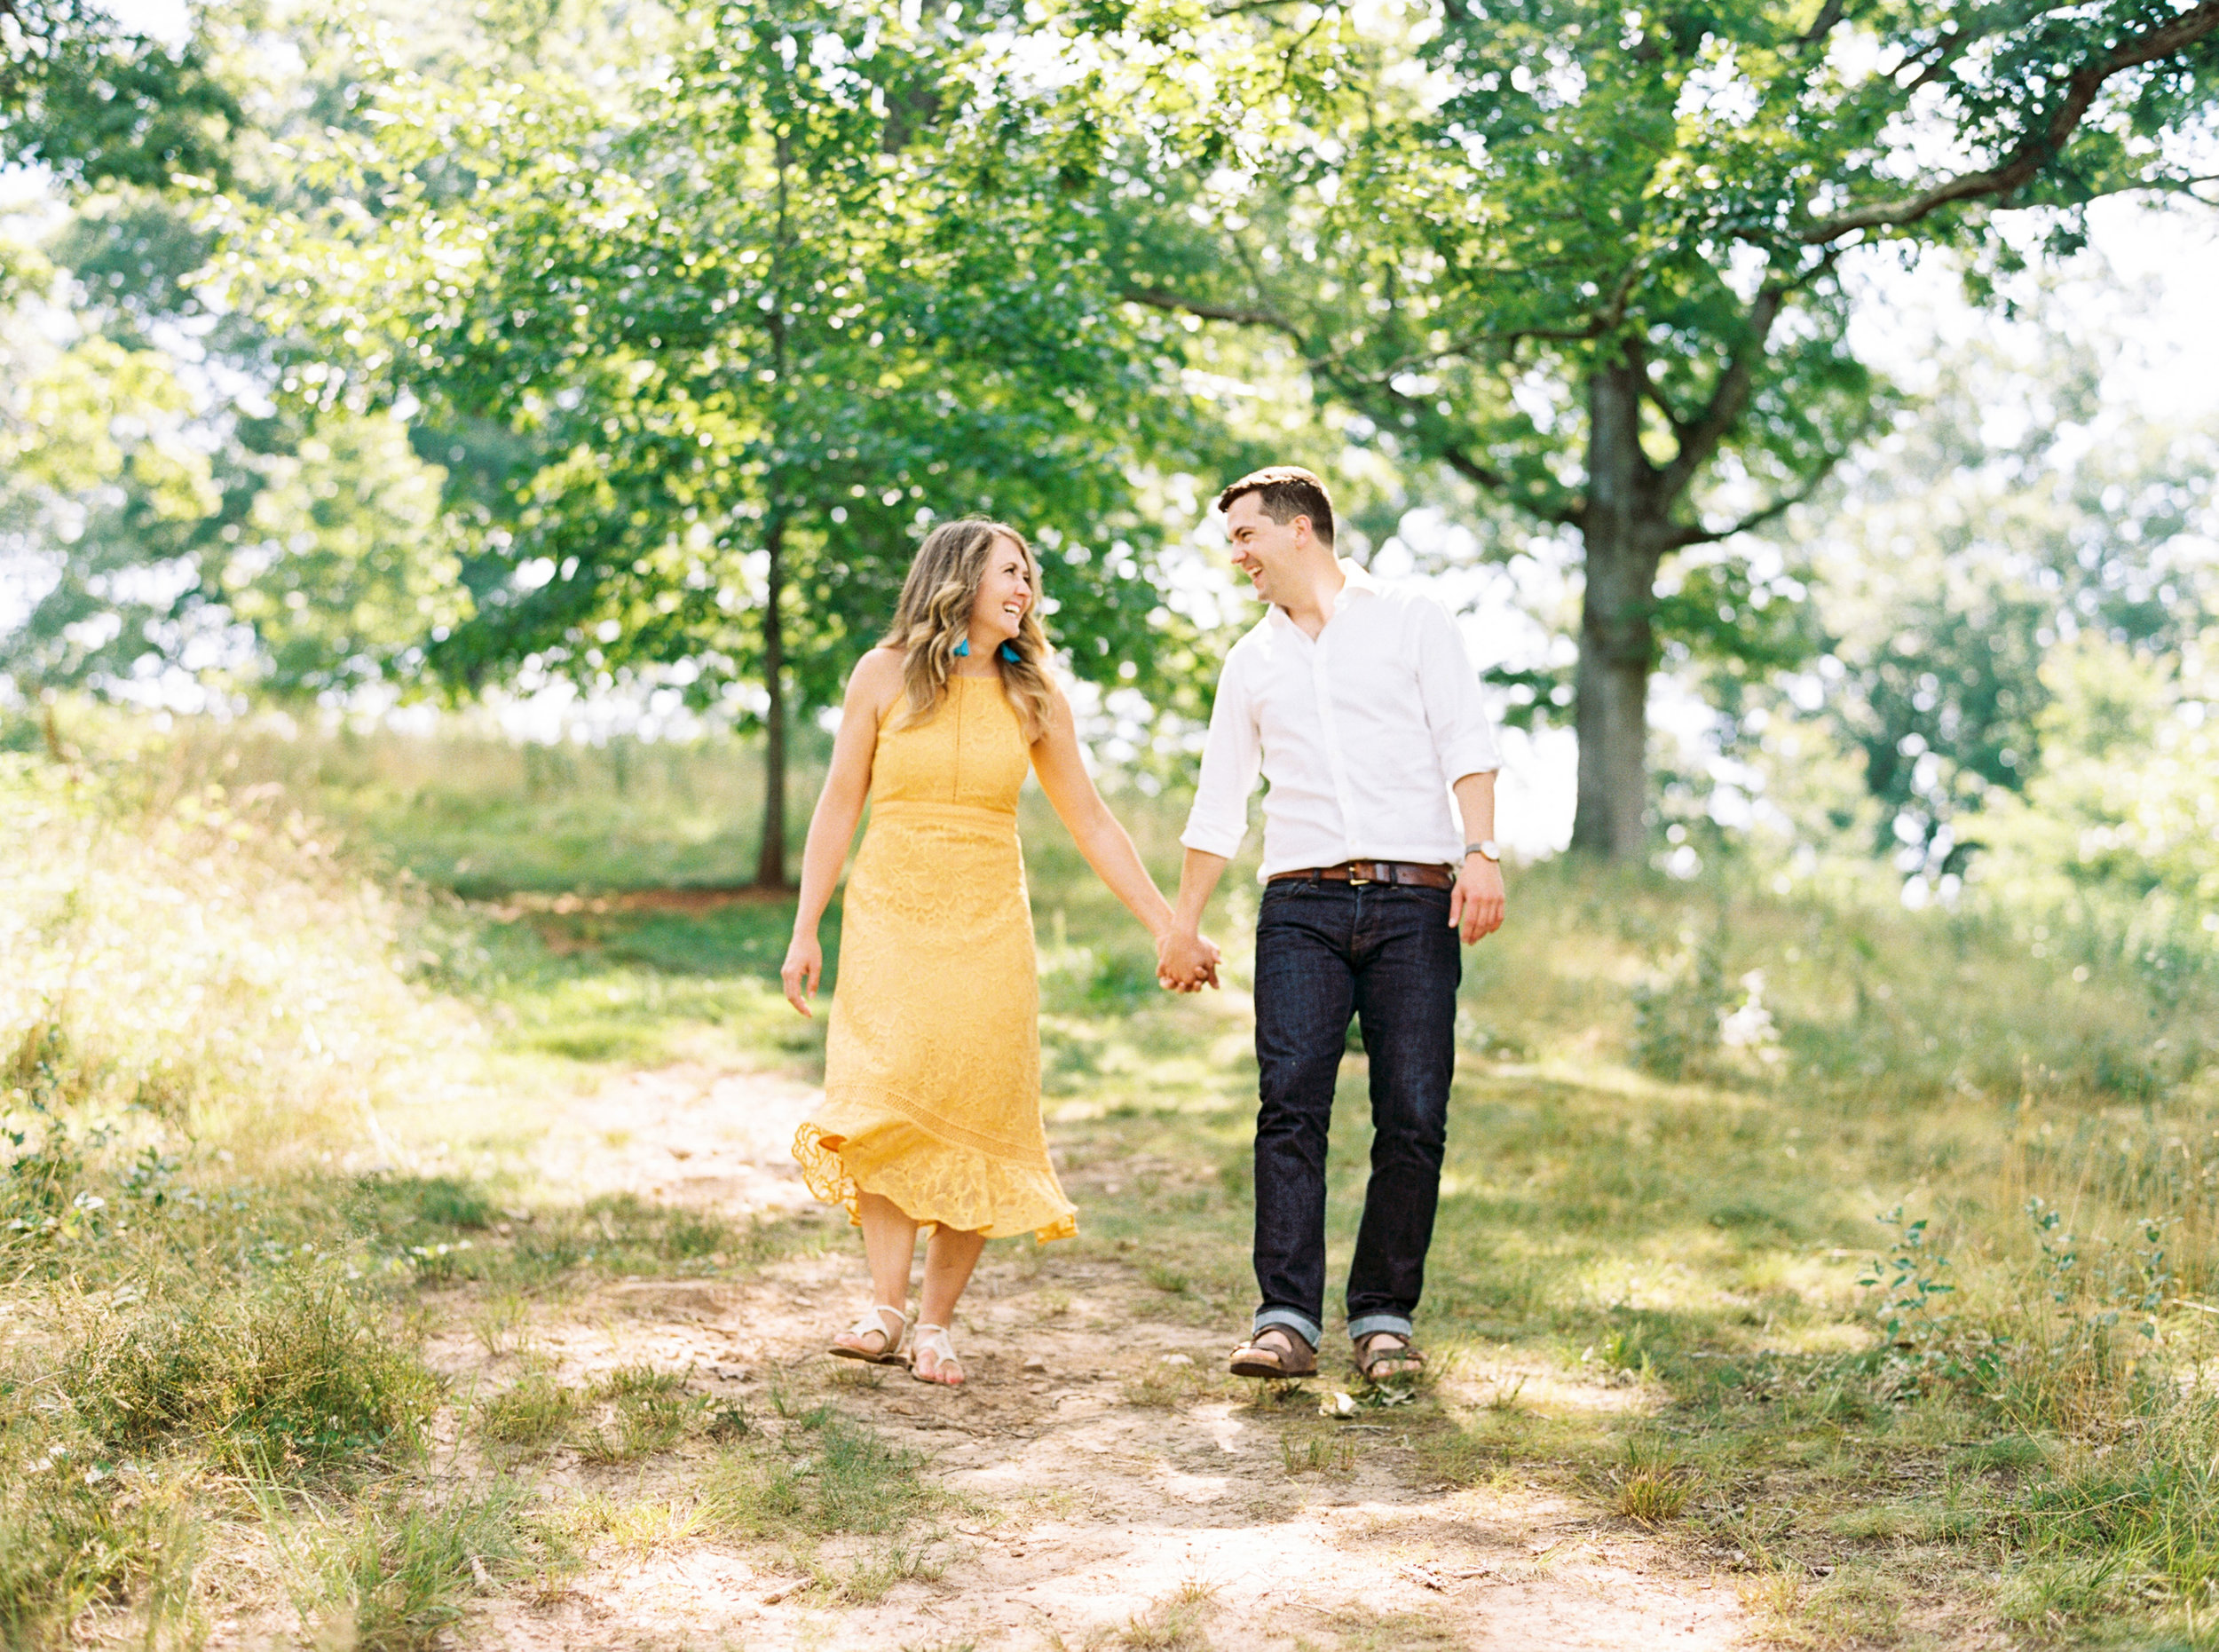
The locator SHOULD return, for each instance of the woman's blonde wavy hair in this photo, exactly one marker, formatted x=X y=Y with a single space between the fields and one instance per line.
x=935 y=614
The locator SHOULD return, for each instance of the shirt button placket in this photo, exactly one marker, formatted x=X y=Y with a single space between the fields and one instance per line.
x=1322 y=677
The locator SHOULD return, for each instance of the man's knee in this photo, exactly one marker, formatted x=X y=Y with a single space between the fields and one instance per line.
x=1410 y=1122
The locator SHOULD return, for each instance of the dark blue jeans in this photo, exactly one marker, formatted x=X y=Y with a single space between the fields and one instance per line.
x=1385 y=954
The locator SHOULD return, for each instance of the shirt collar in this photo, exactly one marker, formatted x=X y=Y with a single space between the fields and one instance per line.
x=1354 y=579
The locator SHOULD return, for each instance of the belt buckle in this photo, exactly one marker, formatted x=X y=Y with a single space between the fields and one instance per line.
x=1355 y=882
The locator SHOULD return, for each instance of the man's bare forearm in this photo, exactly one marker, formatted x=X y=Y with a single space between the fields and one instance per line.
x=1198 y=876
x=1475 y=801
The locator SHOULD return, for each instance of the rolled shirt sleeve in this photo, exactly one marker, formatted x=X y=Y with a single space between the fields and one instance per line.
x=1454 y=712
x=1231 y=758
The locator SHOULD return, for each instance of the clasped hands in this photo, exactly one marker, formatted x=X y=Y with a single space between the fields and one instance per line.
x=1185 y=962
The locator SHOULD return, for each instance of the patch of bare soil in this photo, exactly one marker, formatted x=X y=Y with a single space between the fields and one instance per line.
x=686 y=1134
x=1112 y=1492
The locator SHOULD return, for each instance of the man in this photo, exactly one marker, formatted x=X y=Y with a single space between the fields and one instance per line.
x=1357 y=701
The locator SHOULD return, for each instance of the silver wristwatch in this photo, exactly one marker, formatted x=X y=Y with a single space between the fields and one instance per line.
x=1487 y=847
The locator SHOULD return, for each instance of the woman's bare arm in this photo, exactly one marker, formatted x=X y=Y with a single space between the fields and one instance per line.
x=1106 y=844
x=876 y=681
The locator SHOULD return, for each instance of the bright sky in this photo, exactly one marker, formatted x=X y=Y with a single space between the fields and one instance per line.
x=167 y=20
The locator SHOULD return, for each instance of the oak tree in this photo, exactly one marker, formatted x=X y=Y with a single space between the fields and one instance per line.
x=751 y=320
x=1590 y=257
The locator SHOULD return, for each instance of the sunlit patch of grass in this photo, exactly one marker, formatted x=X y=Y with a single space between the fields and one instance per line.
x=822 y=1474
x=389 y=1573
x=1922 y=1521
x=865 y=1579
x=1372 y=1631
x=289 y=1376
x=1317 y=1454
x=1773 y=1596
x=650 y=1412
x=1652 y=1486
x=502 y=1323
x=76 y=1531
x=535 y=1412
x=638 y=1527
x=1172 y=1624
x=1166 y=1385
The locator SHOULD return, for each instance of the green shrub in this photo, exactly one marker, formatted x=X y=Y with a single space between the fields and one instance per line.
x=286 y=1376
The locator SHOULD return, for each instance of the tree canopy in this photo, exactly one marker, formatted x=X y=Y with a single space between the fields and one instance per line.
x=1591 y=258
x=97 y=103
x=643 y=352
x=750 y=328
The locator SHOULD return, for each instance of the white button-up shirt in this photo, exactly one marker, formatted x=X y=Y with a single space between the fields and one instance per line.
x=1360 y=734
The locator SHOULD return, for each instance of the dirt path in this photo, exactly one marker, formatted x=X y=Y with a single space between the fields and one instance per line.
x=1121 y=1496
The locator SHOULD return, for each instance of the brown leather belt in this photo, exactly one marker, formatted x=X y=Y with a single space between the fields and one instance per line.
x=1407 y=872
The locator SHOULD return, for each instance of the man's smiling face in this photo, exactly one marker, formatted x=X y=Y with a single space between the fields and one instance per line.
x=1266 y=550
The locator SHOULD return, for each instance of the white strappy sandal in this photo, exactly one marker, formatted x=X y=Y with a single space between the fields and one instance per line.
x=934 y=1340
x=872 y=1323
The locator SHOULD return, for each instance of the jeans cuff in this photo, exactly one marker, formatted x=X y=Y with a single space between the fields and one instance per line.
x=1359 y=1329
x=1300 y=1324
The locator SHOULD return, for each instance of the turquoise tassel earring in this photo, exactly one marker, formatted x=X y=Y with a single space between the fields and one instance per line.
x=1008 y=650
x=963 y=649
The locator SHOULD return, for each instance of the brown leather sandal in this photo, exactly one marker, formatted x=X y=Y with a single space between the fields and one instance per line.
x=1259 y=1358
x=1399 y=1358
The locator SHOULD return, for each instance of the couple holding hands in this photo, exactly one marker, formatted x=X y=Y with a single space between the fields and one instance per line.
x=1356 y=702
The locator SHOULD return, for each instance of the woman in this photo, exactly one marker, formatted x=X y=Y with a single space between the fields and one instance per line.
x=932 y=1072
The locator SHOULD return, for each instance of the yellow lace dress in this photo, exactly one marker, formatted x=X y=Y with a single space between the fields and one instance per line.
x=932 y=1066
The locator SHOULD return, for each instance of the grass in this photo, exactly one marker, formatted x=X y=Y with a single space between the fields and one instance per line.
x=1651 y=1487
x=650 y=1411
x=535 y=1412
x=390 y=1574
x=819 y=1475
x=255 y=1035
x=289 y=1377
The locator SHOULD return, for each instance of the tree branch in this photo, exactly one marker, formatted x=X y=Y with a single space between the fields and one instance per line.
x=2039 y=150
x=1685 y=536
x=1729 y=399
x=1157 y=298
x=1567 y=513
x=1611 y=315
x=1830 y=14
x=1653 y=393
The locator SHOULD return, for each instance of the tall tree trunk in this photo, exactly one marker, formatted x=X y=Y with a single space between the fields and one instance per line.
x=770 y=861
x=1626 y=536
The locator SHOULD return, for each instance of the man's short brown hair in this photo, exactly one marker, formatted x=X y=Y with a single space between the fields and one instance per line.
x=1284 y=491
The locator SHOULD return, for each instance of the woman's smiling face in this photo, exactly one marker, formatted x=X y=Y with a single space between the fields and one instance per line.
x=1004 y=592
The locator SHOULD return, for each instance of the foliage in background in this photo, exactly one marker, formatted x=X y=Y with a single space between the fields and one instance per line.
x=1594 y=268
x=753 y=322
x=1967 y=583
x=2124 y=811
x=97 y=103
